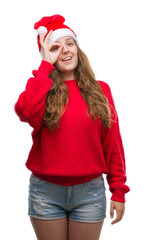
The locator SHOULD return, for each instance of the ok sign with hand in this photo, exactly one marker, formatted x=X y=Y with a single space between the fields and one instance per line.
x=50 y=52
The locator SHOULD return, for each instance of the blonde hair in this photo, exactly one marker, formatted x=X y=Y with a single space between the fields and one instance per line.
x=90 y=89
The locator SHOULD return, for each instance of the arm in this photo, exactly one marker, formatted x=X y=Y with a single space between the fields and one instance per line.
x=114 y=153
x=30 y=106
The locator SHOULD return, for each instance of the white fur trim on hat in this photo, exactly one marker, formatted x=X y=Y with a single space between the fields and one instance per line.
x=61 y=32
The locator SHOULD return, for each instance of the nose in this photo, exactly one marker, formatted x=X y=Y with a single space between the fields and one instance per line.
x=64 y=48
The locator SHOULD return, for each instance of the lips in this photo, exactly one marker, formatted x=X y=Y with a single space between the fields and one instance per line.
x=66 y=59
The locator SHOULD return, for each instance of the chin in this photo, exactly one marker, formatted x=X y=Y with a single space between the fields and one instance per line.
x=66 y=69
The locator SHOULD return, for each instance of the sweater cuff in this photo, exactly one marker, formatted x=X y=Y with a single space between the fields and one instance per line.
x=118 y=196
x=45 y=68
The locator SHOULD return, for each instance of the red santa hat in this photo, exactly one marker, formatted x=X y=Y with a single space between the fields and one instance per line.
x=55 y=23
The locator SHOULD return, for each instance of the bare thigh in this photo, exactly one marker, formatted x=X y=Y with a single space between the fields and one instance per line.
x=50 y=229
x=84 y=231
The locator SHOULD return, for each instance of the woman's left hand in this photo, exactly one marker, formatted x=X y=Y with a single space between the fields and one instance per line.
x=120 y=208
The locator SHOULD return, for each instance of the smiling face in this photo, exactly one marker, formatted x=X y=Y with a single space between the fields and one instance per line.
x=68 y=58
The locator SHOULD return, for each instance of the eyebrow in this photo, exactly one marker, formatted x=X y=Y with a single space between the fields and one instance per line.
x=66 y=39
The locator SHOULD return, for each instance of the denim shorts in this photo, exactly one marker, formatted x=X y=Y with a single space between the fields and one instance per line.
x=84 y=202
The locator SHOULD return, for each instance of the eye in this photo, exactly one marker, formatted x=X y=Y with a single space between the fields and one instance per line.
x=54 y=48
x=70 y=43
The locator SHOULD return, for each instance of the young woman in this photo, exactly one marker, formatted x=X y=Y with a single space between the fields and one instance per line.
x=76 y=139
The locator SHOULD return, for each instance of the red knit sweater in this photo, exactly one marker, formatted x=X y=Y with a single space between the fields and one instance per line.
x=81 y=149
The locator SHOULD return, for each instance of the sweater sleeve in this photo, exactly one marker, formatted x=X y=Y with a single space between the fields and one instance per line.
x=114 y=152
x=30 y=106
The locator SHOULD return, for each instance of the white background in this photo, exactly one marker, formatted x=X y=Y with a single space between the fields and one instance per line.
x=110 y=32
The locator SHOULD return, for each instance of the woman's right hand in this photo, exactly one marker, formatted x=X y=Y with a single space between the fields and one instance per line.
x=50 y=52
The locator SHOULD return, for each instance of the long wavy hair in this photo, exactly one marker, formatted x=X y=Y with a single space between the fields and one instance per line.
x=90 y=89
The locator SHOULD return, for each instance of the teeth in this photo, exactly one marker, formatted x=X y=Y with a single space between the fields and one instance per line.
x=68 y=58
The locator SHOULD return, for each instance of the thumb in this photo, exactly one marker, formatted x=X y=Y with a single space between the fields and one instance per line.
x=112 y=210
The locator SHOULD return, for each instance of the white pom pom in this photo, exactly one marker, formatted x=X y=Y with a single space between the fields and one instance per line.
x=41 y=30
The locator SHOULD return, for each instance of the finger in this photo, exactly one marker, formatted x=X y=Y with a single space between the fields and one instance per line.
x=57 y=53
x=116 y=220
x=48 y=35
x=118 y=217
x=44 y=39
x=55 y=46
x=41 y=37
x=111 y=211
x=59 y=50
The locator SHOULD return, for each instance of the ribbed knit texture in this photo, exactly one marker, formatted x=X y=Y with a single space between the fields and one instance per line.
x=81 y=149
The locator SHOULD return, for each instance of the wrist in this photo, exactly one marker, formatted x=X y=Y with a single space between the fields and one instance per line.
x=47 y=60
